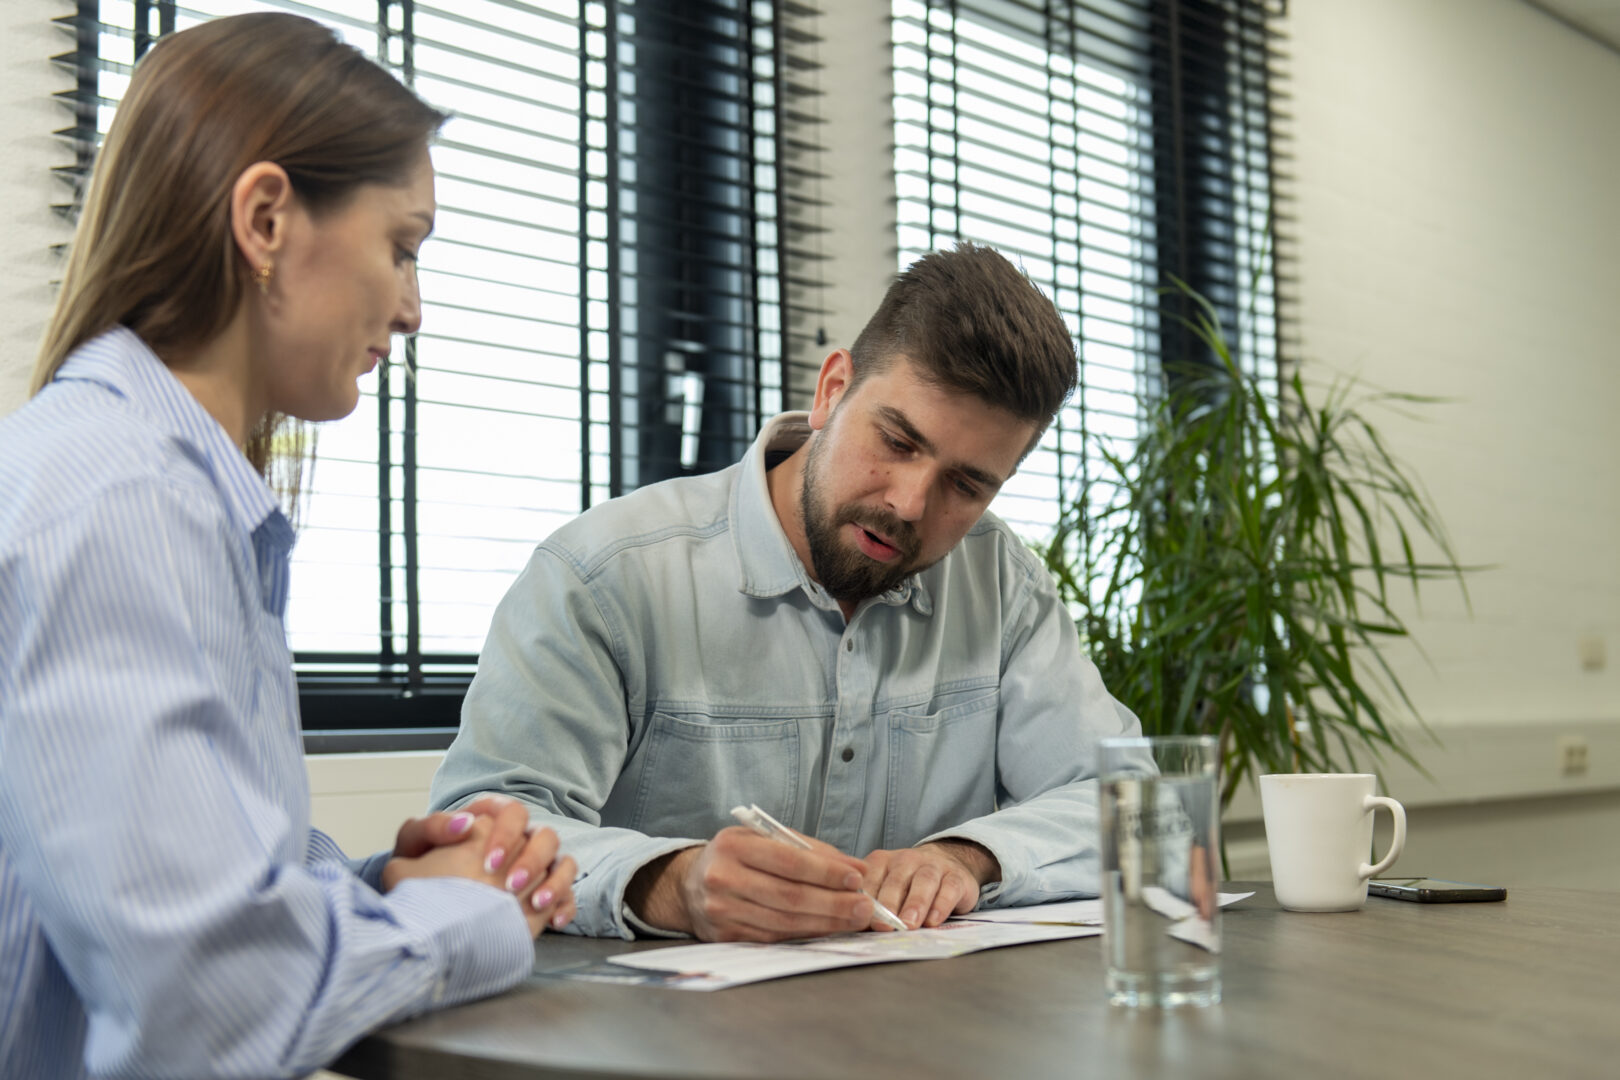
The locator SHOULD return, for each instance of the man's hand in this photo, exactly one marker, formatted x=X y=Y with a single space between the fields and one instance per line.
x=925 y=885
x=548 y=901
x=741 y=886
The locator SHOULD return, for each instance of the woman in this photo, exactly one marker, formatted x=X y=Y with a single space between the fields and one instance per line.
x=246 y=251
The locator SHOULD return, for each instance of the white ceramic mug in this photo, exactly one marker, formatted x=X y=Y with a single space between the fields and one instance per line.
x=1319 y=829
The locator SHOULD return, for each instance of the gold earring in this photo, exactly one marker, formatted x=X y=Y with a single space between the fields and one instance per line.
x=261 y=278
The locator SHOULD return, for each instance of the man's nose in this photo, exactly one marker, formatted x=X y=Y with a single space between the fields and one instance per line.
x=908 y=491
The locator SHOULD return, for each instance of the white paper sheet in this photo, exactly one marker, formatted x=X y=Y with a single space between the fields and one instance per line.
x=719 y=965
x=1075 y=912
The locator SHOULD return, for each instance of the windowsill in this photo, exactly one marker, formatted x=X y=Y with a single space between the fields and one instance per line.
x=377 y=740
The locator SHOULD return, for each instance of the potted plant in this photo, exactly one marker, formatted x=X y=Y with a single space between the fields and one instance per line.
x=1232 y=576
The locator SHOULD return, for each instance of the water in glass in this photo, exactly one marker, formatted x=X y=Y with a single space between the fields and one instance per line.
x=1162 y=925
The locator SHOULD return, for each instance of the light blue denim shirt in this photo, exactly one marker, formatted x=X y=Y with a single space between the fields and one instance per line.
x=165 y=907
x=665 y=657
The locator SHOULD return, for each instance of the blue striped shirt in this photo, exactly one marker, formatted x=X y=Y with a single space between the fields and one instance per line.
x=165 y=907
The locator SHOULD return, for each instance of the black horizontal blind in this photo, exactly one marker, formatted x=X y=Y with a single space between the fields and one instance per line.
x=1109 y=147
x=604 y=301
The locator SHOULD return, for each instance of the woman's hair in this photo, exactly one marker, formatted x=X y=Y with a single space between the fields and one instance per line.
x=154 y=250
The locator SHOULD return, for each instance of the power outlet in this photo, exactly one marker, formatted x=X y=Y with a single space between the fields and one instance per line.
x=1572 y=755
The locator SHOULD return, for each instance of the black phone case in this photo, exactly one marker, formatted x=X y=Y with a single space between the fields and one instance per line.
x=1463 y=894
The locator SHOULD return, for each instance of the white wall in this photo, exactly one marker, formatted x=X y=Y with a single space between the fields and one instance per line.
x=858 y=136
x=1458 y=231
x=28 y=227
x=1458 y=235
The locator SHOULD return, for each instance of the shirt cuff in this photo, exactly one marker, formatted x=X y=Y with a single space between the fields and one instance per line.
x=644 y=929
x=623 y=922
x=479 y=938
x=990 y=892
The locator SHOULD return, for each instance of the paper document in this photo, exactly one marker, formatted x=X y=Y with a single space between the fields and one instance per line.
x=1076 y=912
x=719 y=965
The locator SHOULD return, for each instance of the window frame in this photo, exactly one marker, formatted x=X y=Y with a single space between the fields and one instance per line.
x=1207 y=75
x=733 y=76
x=411 y=698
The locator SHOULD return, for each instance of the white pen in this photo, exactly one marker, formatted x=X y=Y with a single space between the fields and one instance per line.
x=762 y=823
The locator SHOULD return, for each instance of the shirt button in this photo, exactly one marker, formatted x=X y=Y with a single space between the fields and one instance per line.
x=849 y=645
x=848 y=755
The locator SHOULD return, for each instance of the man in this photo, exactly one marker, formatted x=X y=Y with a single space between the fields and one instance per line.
x=833 y=629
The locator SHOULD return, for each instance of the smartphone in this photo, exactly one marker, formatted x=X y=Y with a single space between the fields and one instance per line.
x=1432 y=891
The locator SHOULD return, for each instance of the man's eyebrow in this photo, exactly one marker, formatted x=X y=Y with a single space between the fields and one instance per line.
x=890 y=415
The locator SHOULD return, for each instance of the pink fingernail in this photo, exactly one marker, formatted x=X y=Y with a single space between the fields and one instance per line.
x=516 y=880
x=541 y=900
x=492 y=861
x=559 y=920
x=460 y=824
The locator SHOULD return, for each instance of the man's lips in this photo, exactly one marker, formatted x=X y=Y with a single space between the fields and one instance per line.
x=873 y=545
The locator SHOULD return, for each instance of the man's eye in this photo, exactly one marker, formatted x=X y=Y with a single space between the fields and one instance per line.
x=896 y=444
x=967 y=489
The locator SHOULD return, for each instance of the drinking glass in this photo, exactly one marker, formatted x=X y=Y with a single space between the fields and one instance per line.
x=1160 y=840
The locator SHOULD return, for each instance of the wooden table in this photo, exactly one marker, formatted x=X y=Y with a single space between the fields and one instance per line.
x=1399 y=991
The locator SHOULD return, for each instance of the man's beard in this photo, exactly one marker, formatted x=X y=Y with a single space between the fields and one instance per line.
x=845 y=572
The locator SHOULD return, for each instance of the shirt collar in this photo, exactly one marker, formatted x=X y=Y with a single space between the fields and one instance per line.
x=770 y=567
x=126 y=365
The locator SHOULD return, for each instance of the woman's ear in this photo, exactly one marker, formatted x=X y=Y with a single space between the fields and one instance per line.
x=261 y=200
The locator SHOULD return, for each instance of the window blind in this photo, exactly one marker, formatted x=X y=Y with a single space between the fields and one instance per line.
x=1111 y=148
x=605 y=299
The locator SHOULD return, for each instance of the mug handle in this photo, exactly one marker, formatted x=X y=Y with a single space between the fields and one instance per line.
x=1396 y=842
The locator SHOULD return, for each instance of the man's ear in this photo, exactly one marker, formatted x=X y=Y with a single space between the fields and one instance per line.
x=837 y=375
x=261 y=202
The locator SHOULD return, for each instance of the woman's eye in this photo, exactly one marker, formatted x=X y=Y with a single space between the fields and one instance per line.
x=403 y=256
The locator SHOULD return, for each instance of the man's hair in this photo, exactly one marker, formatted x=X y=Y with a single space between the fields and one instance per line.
x=972 y=322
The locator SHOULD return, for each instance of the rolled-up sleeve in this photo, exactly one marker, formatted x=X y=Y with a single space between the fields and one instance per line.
x=1054 y=708
x=545 y=721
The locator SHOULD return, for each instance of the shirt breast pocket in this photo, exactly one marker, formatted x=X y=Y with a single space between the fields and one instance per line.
x=942 y=766
x=696 y=768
